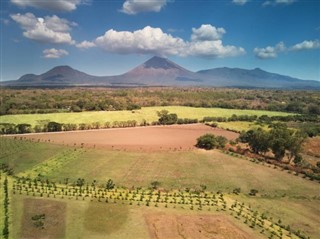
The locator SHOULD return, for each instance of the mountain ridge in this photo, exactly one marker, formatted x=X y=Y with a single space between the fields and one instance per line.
x=159 y=71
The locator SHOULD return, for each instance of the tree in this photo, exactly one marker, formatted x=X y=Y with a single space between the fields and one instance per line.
x=110 y=184
x=283 y=139
x=155 y=184
x=257 y=139
x=167 y=119
x=207 y=141
x=280 y=140
x=210 y=141
x=221 y=141
x=54 y=127
x=23 y=128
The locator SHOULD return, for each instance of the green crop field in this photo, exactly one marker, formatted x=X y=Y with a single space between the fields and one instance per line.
x=281 y=195
x=148 y=113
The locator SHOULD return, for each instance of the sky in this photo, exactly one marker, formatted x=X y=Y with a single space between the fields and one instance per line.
x=110 y=37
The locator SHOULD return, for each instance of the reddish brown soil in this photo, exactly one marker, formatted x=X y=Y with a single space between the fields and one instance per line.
x=164 y=226
x=312 y=146
x=54 y=222
x=175 y=137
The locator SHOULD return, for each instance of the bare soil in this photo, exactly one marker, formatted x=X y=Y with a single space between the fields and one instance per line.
x=312 y=146
x=175 y=137
x=53 y=224
x=171 y=226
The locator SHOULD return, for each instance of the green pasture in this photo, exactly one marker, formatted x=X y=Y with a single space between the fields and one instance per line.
x=148 y=113
x=282 y=195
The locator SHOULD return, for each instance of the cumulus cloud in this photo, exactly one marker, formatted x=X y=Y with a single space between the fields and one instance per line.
x=213 y=49
x=86 y=45
x=306 y=45
x=273 y=51
x=269 y=51
x=51 y=5
x=205 y=41
x=240 y=2
x=48 y=30
x=207 y=32
x=276 y=2
x=54 y=53
x=145 y=41
x=133 y=7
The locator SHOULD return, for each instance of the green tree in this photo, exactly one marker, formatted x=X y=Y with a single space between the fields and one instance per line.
x=283 y=139
x=23 y=128
x=54 y=126
x=155 y=184
x=207 y=141
x=167 y=119
x=110 y=184
x=257 y=139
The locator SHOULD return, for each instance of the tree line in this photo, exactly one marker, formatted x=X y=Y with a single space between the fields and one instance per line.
x=280 y=140
x=30 y=101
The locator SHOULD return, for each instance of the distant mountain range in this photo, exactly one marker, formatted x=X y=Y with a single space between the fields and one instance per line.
x=159 y=71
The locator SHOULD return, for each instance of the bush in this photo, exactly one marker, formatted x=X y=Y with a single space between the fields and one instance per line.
x=253 y=192
x=210 y=141
x=206 y=141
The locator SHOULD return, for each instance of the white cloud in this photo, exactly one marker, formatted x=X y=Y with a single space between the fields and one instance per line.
x=306 y=45
x=205 y=42
x=51 y=5
x=240 y=2
x=207 y=32
x=269 y=51
x=273 y=51
x=48 y=30
x=54 y=53
x=276 y=2
x=86 y=45
x=145 y=41
x=133 y=7
x=213 y=49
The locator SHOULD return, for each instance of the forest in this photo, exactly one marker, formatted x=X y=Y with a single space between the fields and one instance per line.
x=31 y=101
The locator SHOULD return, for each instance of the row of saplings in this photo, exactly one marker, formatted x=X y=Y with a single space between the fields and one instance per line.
x=282 y=142
x=5 y=230
x=197 y=199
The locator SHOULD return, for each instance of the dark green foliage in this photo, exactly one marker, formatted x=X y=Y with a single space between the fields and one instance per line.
x=27 y=101
x=257 y=139
x=279 y=140
x=318 y=164
x=38 y=220
x=236 y=191
x=54 y=127
x=155 y=184
x=5 y=231
x=167 y=119
x=253 y=192
x=110 y=184
x=210 y=141
x=23 y=128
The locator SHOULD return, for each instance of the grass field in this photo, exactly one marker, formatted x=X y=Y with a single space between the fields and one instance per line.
x=148 y=113
x=281 y=195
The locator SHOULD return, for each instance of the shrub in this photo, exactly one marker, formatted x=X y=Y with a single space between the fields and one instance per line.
x=210 y=141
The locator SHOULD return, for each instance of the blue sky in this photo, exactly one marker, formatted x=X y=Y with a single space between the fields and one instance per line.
x=103 y=37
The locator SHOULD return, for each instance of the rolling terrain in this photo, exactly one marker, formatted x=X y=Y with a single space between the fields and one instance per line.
x=159 y=71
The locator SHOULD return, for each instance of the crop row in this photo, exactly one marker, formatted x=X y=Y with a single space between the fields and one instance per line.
x=152 y=197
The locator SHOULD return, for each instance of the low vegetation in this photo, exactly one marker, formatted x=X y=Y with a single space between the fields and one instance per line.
x=57 y=187
x=31 y=101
